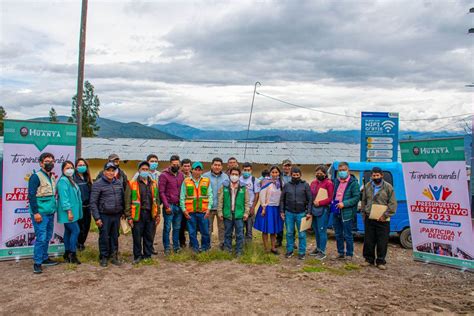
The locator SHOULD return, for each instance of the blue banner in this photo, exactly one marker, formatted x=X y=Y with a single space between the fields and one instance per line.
x=379 y=137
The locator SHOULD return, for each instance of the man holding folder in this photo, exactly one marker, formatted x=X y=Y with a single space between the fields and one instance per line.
x=378 y=205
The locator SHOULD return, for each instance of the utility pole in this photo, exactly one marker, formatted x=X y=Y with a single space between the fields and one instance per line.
x=250 y=117
x=80 y=78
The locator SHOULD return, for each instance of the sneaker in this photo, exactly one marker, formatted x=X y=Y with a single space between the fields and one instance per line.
x=177 y=250
x=314 y=253
x=154 y=252
x=339 y=257
x=288 y=255
x=275 y=252
x=366 y=264
x=301 y=256
x=382 y=267
x=167 y=252
x=320 y=256
x=48 y=262
x=103 y=262
x=37 y=269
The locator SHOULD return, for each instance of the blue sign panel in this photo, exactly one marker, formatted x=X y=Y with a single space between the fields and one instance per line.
x=379 y=137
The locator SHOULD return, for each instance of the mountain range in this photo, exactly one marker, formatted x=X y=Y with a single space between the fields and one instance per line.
x=114 y=129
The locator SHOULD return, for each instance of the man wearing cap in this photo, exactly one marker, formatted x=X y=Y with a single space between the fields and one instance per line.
x=143 y=214
x=170 y=183
x=378 y=193
x=218 y=179
x=196 y=201
x=119 y=173
x=107 y=206
x=286 y=170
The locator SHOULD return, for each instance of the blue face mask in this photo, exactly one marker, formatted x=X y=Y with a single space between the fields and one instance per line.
x=153 y=165
x=343 y=174
x=144 y=174
x=82 y=169
x=246 y=175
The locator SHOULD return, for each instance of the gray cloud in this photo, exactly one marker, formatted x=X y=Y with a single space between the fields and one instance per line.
x=156 y=62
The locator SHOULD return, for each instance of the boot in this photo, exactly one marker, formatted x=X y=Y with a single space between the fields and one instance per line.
x=115 y=260
x=66 y=256
x=73 y=258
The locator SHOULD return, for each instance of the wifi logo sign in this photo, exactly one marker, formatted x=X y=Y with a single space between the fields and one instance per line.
x=388 y=126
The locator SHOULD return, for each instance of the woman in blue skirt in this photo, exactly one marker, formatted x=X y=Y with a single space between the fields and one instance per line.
x=268 y=219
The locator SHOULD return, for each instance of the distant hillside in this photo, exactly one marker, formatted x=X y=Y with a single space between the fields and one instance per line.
x=114 y=129
x=348 y=136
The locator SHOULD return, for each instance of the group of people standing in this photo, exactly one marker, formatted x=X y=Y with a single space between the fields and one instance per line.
x=187 y=199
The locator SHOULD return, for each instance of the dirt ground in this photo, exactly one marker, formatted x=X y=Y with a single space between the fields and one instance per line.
x=231 y=287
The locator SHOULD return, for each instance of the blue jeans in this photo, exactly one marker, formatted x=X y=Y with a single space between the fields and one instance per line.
x=43 y=232
x=320 y=226
x=172 y=220
x=343 y=230
x=290 y=220
x=71 y=234
x=198 y=220
x=229 y=226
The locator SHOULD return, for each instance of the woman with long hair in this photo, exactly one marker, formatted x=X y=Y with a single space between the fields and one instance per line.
x=82 y=177
x=267 y=219
x=69 y=210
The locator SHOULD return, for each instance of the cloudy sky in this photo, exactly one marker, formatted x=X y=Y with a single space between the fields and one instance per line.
x=196 y=62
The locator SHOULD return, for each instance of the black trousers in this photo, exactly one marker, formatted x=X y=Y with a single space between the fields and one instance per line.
x=143 y=233
x=84 y=225
x=182 y=230
x=376 y=238
x=108 y=235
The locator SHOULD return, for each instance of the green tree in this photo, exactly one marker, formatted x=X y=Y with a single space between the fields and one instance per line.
x=90 y=111
x=3 y=115
x=53 y=116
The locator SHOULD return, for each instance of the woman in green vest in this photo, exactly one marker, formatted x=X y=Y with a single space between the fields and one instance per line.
x=233 y=209
x=69 y=211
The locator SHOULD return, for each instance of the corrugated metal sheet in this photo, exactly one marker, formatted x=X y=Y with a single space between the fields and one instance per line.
x=257 y=152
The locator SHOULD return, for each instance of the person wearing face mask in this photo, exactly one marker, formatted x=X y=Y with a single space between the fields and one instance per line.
x=295 y=204
x=69 y=211
x=377 y=231
x=143 y=214
x=108 y=204
x=82 y=178
x=268 y=219
x=320 y=210
x=196 y=202
x=152 y=159
x=346 y=196
x=170 y=182
x=233 y=208
x=186 y=170
x=253 y=189
x=218 y=179
x=42 y=205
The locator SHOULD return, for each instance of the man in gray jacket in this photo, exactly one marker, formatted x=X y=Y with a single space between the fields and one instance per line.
x=295 y=205
x=377 y=194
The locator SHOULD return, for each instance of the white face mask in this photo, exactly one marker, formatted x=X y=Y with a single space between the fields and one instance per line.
x=69 y=172
x=234 y=178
